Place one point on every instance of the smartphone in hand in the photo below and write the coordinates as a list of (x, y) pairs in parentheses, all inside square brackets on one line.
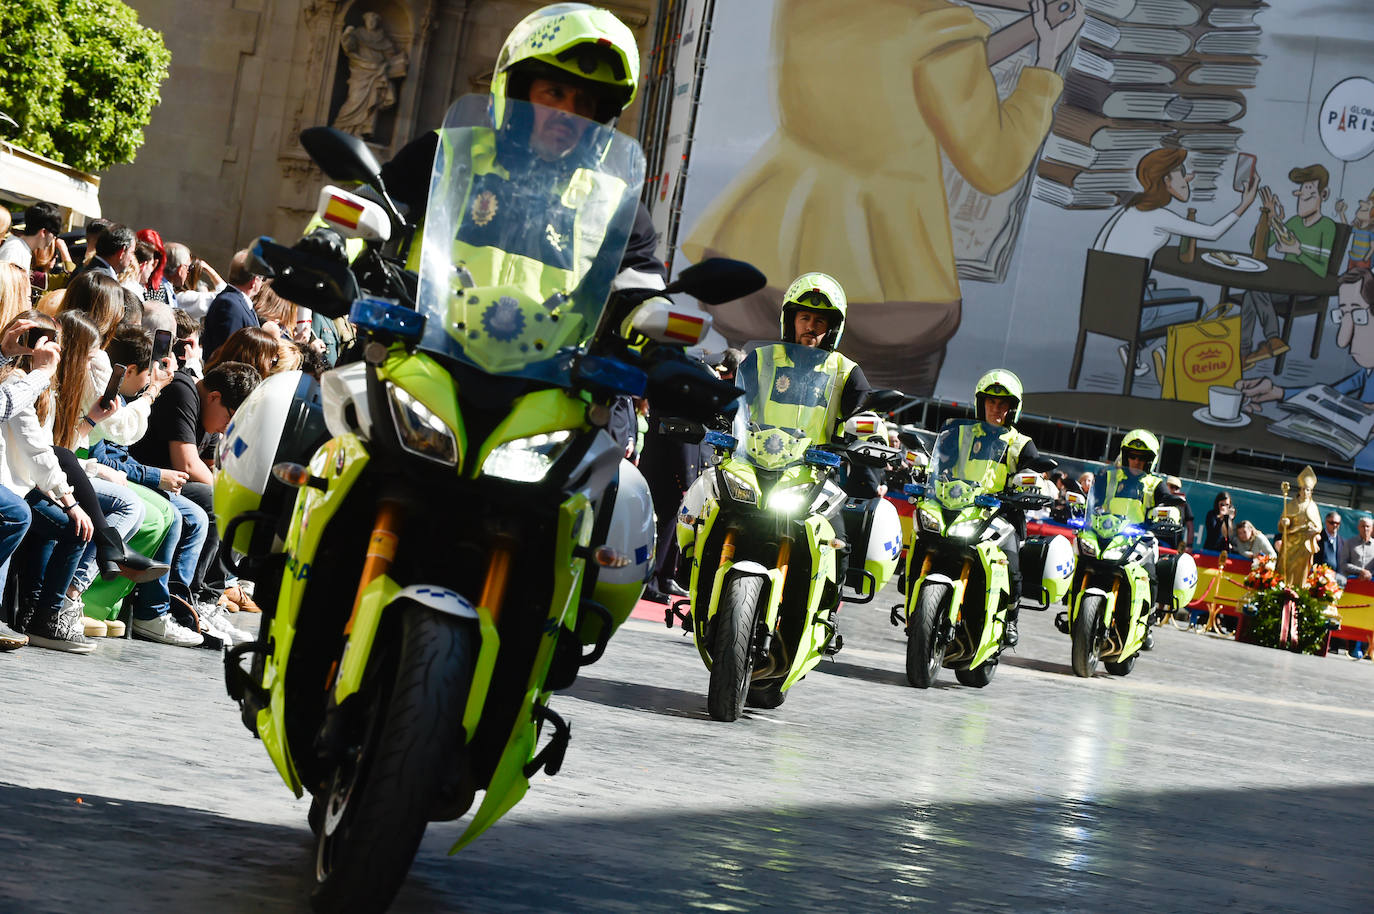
[(33, 336), (112, 389), (162, 344), (1245, 172)]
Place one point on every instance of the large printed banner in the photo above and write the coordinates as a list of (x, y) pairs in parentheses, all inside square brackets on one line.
[(1145, 208)]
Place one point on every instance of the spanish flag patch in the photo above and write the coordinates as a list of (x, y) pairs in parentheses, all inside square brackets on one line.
[(684, 327), (343, 212)]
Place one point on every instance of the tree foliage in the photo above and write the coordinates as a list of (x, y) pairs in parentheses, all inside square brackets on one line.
[(81, 78)]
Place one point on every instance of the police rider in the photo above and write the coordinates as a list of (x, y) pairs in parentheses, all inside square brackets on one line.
[(813, 315), (566, 57), (1131, 489), (997, 397)]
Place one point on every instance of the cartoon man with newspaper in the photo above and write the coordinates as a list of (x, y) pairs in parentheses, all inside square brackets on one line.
[(1339, 416)]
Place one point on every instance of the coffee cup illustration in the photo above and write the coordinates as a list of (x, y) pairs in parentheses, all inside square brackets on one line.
[(1223, 407)]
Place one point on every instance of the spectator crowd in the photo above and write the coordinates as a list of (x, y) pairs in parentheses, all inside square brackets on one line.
[(122, 360)]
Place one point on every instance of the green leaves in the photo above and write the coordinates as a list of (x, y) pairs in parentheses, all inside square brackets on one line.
[(81, 77)]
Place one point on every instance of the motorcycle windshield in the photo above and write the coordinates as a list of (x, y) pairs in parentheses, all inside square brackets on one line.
[(970, 450), (788, 391), (525, 230)]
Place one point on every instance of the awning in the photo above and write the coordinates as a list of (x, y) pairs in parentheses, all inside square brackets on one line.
[(27, 177)]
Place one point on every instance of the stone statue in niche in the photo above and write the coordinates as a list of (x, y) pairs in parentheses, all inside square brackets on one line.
[(374, 61)]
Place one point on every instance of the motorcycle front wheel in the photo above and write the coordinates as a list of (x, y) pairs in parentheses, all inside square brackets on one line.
[(732, 654), (923, 657), (1085, 635), (381, 795)]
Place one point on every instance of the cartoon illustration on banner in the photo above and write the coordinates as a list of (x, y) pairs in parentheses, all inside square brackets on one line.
[(1156, 213)]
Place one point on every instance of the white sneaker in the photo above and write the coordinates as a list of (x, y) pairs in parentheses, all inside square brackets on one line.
[(214, 619), (166, 630)]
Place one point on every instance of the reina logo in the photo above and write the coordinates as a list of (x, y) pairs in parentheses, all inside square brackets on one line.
[(1207, 361)]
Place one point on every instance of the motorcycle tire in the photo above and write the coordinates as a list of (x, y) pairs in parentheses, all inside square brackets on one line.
[(732, 654), (979, 677), (767, 696), (1121, 669), (1084, 632), (375, 815), (923, 657)]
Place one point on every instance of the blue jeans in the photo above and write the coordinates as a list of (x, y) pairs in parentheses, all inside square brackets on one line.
[(48, 556), (15, 518), (180, 549), (123, 511)]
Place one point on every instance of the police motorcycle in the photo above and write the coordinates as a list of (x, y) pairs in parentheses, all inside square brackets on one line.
[(465, 467), (1111, 602), (756, 530), (957, 585)]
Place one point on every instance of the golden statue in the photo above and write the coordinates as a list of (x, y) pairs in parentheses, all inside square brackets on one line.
[(1300, 527)]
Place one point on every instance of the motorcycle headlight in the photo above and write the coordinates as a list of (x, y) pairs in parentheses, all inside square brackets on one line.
[(788, 501), (740, 490), (965, 529), (420, 431), (1114, 553), (928, 518), (1087, 546), (526, 459)]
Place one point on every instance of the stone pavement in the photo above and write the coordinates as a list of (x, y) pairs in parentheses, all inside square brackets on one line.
[(1218, 776)]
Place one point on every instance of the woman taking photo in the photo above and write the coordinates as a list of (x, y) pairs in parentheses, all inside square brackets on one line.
[(1221, 525)]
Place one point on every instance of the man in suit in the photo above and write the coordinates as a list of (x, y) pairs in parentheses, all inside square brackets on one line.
[(232, 308), (114, 250), (1330, 544)]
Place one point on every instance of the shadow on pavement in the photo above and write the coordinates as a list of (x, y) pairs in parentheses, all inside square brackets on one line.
[(639, 697), (1242, 850), (882, 676)]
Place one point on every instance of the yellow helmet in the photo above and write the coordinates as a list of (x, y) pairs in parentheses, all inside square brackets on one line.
[(1142, 442), (815, 292), (573, 43), (999, 383)]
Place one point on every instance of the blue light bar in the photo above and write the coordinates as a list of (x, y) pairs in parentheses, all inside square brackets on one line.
[(382, 316), (817, 457), (721, 440), (987, 501), (611, 374), (916, 490)]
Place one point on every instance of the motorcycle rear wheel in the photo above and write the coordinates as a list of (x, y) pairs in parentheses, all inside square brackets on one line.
[(978, 677), (379, 802), (1085, 635), (732, 655), (923, 657)]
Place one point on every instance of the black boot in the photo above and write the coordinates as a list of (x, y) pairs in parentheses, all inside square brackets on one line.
[(114, 558), (1010, 634)]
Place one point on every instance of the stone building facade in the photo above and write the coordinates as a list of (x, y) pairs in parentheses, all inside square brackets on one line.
[(222, 164)]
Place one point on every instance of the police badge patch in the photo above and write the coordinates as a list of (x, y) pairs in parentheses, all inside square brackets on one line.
[(484, 208), (783, 382)]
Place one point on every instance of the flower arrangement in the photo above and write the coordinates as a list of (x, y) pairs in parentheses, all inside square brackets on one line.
[(1315, 602)]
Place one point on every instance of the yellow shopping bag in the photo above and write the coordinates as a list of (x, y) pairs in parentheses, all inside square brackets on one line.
[(1200, 354)]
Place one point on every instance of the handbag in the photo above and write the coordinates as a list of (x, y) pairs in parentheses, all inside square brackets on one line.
[(1201, 354)]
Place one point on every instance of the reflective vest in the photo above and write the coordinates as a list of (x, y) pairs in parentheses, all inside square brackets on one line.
[(1116, 491), (986, 459), (792, 387), (512, 233)]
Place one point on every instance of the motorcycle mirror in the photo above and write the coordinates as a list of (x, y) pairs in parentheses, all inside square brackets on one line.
[(342, 156), (1042, 464), (718, 280), (682, 430)]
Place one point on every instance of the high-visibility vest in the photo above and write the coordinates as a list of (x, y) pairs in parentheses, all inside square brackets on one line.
[(795, 388), (511, 234), (988, 454), (1116, 491)]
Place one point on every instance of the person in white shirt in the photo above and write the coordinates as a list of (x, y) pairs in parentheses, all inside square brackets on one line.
[(1252, 542), (187, 276), (42, 222)]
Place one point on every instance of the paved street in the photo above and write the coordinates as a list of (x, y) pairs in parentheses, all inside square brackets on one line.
[(1217, 776)]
